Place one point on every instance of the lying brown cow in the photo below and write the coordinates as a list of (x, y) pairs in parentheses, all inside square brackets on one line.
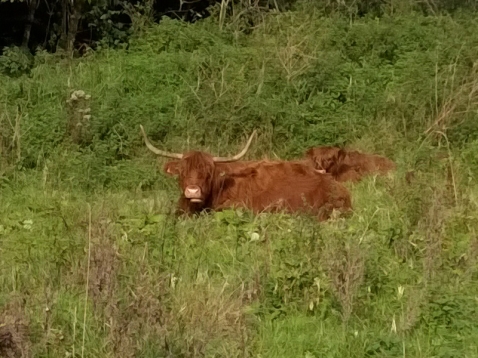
[(348, 165), (217, 183)]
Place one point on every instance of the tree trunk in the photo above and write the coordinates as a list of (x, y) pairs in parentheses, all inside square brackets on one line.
[(72, 12), (32, 6)]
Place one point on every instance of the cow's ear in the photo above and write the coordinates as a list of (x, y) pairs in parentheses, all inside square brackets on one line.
[(341, 154), (172, 168), (310, 153)]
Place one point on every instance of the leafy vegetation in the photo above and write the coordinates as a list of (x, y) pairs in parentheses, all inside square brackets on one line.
[(93, 263)]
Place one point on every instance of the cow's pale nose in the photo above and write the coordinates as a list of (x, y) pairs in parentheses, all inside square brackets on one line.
[(192, 192)]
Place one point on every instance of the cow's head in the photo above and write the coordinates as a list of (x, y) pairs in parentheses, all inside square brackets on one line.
[(326, 158), (196, 170)]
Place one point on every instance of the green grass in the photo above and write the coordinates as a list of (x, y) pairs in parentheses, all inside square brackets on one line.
[(94, 264)]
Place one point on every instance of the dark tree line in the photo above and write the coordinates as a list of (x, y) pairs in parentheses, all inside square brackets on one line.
[(71, 24), (78, 24)]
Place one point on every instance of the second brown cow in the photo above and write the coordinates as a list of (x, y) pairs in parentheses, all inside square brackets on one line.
[(348, 165), (217, 183)]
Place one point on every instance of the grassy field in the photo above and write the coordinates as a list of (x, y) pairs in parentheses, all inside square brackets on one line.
[(94, 264)]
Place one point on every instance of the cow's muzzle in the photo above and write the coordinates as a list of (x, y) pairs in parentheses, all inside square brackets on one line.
[(193, 193)]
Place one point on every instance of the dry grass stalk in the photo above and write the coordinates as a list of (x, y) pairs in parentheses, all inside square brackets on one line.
[(293, 56), (345, 267), (451, 181), (130, 327), (433, 224), (3, 144), (104, 264), (10, 138), (101, 285), (222, 13), (87, 282), (412, 310), (462, 100), (145, 316), (14, 332), (209, 316), (472, 255)]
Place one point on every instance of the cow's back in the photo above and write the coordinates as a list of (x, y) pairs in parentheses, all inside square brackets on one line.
[(288, 186), (366, 163), (355, 165)]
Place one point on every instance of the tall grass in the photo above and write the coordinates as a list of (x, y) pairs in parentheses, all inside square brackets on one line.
[(93, 263)]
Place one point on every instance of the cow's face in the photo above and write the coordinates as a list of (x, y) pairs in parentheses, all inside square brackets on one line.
[(195, 172), (325, 158), (195, 169)]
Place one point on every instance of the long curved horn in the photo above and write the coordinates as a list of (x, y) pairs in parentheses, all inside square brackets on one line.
[(156, 150), (237, 156)]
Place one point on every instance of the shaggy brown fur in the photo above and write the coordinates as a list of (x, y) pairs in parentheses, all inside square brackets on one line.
[(348, 165), (258, 185)]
